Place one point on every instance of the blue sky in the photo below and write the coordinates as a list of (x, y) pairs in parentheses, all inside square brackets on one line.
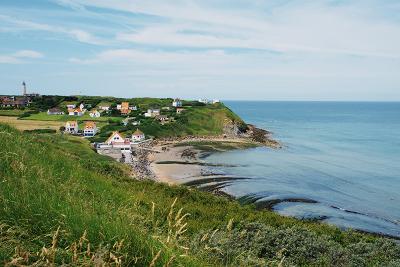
[(227, 49)]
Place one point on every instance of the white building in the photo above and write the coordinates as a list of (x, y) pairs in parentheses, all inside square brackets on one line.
[(90, 129), (104, 106), (177, 102), (116, 140), (205, 101), (138, 136), (69, 106), (152, 113), (75, 112), (215, 101), (55, 111), (71, 127), (94, 114)]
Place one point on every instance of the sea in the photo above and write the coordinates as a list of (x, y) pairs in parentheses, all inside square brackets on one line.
[(340, 162)]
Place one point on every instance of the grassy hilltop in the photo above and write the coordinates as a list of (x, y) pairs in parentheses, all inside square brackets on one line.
[(60, 202)]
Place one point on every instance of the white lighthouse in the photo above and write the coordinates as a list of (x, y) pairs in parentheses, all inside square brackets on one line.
[(24, 88)]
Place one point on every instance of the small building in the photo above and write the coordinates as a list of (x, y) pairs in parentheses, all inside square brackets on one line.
[(136, 123), (82, 106), (75, 112), (215, 101), (138, 136), (71, 127), (162, 118), (124, 108), (70, 105), (179, 110), (94, 114), (104, 106), (152, 113), (90, 129), (132, 107), (204, 101), (55, 111), (177, 102), (116, 140)]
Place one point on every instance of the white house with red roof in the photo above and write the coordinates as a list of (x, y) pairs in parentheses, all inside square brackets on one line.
[(90, 129), (117, 140)]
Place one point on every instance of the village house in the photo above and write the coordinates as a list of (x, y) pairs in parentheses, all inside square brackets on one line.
[(75, 112), (116, 140), (90, 129), (179, 110), (133, 107), (71, 106), (177, 102), (71, 127), (125, 108), (162, 118), (104, 106), (94, 114), (82, 106), (55, 111), (204, 101), (138, 136), (152, 113), (215, 101)]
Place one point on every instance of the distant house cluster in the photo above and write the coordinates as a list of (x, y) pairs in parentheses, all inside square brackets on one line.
[(15, 101)]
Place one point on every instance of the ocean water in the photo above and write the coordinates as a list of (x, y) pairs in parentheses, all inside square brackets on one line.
[(344, 156)]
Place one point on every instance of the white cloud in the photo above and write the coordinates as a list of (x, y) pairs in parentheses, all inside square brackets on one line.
[(19, 56), (78, 34), (352, 28), (28, 54)]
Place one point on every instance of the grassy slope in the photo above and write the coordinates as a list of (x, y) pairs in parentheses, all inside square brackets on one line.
[(51, 181)]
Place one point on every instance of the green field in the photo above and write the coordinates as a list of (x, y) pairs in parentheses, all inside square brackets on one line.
[(60, 202), (12, 112), (42, 116)]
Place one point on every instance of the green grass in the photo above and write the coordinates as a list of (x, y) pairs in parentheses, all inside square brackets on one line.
[(50, 182), (12, 112), (42, 116)]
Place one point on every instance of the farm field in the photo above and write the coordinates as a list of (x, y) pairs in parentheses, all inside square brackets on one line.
[(30, 125), (42, 116), (11, 112)]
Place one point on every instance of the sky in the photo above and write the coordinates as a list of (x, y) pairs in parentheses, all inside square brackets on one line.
[(223, 49)]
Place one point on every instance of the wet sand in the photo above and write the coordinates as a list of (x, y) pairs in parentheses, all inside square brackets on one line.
[(174, 173)]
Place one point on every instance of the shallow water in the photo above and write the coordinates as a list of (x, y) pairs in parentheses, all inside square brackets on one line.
[(344, 155)]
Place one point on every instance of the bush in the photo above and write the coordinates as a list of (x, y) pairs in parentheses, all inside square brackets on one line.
[(40, 131)]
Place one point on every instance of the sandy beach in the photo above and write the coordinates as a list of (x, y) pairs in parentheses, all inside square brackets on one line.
[(176, 168), (173, 173)]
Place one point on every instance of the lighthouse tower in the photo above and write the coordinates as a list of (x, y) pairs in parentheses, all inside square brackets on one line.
[(24, 87)]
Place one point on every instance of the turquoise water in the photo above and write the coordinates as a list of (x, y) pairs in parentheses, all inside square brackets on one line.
[(343, 155)]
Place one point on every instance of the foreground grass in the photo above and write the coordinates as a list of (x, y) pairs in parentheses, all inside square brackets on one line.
[(60, 202)]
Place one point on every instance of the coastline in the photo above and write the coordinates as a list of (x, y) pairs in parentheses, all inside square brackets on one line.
[(180, 161)]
